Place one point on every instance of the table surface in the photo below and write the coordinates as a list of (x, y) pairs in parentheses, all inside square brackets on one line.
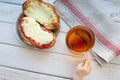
[(21, 62)]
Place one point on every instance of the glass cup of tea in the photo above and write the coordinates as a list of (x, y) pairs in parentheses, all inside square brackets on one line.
[(80, 39)]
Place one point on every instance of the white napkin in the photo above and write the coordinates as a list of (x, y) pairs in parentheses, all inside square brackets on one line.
[(102, 17)]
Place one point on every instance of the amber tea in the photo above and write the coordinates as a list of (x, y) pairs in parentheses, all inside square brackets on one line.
[(80, 39)]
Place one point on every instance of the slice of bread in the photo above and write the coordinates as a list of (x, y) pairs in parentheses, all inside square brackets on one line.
[(32, 33), (42, 12)]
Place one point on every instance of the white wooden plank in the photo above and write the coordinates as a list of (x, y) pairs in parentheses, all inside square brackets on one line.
[(38, 61), (14, 74), (9, 35), (22, 1), (8, 31), (14, 1), (54, 64), (9, 12)]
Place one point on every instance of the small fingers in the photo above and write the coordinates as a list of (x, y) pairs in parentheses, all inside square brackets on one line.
[(83, 62), (87, 56), (87, 63), (88, 66), (86, 60)]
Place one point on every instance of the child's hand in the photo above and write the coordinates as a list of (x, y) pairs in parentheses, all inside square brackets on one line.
[(83, 69)]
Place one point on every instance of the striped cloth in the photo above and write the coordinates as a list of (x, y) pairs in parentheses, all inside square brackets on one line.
[(103, 20)]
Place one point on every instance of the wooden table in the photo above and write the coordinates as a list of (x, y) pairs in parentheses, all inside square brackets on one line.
[(20, 62)]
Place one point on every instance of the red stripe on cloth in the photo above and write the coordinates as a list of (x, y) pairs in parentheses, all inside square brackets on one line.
[(82, 18)]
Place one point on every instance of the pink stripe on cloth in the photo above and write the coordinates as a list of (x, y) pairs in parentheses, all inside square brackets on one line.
[(82, 18)]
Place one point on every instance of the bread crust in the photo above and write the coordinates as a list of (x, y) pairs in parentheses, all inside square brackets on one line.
[(32, 42), (19, 29), (54, 24)]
